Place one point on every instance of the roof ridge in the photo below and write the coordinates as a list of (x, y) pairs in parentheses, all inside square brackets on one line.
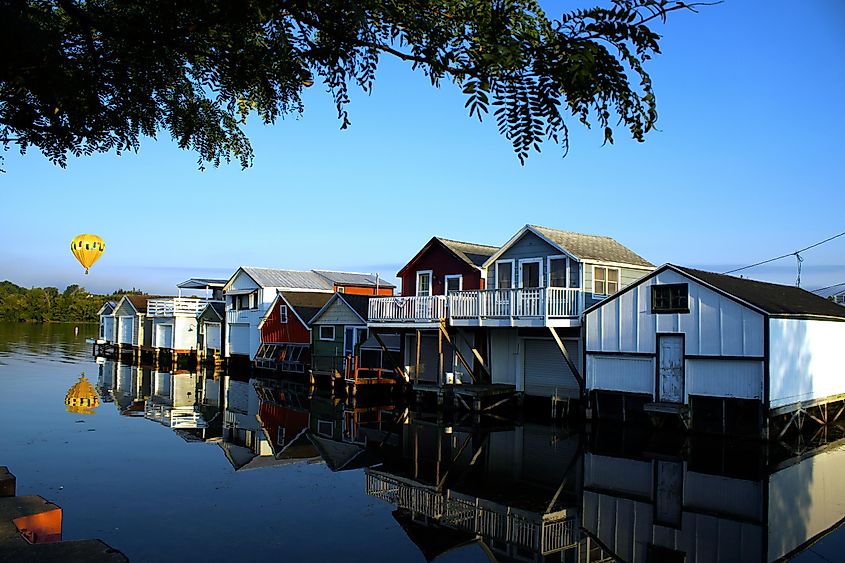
[(465, 242), (571, 232)]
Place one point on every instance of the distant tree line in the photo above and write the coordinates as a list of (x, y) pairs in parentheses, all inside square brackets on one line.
[(47, 304)]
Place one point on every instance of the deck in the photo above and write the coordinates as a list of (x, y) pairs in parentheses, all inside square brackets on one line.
[(476, 397)]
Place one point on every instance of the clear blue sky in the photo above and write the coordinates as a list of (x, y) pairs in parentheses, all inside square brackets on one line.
[(749, 163)]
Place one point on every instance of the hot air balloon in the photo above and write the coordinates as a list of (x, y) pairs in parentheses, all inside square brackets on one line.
[(87, 249)]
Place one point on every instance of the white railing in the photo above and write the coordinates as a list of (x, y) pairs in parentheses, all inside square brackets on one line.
[(410, 309), (174, 306), (542, 533), (529, 302), (250, 316)]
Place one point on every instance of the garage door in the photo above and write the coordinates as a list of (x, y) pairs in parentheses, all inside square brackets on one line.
[(125, 330), (212, 336), (239, 339), (164, 336), (546, 370)]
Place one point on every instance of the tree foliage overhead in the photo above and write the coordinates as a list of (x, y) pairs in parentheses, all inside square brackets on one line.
[(91, 76)]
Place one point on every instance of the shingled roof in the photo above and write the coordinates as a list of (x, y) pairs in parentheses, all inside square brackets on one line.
[(592, 247), (775, 299), (470, 252), (305, 303)]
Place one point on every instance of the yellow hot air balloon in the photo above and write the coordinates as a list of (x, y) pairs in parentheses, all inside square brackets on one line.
[(87, 249)]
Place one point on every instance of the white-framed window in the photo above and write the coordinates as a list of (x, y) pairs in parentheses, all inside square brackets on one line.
[(605, 280), (341, 289), (283, 314), (531, 272), (424, 281), (453, 282), (558, 267), (326, 332), (504, 274)]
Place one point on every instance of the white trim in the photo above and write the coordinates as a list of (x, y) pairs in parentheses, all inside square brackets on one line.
[(430, 283), (539, 262), (549, 268), (607, 269), (446, 279), (320, 333), (518, 236), (513, 272)]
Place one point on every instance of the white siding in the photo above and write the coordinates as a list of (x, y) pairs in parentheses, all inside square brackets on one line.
[(724, 378), (715, 325), (212, 335), (807, 360), (621, 373), (239, 336)]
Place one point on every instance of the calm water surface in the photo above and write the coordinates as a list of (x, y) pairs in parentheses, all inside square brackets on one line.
[(178, 466)]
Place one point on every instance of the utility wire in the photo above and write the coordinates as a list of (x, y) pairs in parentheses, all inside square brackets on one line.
[(796, 253), (829, 287)]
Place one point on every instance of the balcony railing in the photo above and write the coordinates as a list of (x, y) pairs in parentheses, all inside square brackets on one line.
[(250, 316), (407, 309), (517, 303), (177, 306)]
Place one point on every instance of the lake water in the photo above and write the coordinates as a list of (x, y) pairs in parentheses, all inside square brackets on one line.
[(209, 467)]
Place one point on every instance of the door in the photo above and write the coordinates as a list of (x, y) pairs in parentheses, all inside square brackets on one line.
[(125, 324), (670, 368), (424, 292), (530, 298), (545, 370), (164, 336), (212, 336)]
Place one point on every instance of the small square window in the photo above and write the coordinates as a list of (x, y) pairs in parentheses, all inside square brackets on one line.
[(326, 332), (670, 298)]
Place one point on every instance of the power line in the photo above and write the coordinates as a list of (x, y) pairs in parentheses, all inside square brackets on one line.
[(796, 253), (829, 287)]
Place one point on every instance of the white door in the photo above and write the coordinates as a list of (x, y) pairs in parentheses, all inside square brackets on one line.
[(239, 339), (164, 336), (670, 384), (546, 370), (424, 292), (125, 324)]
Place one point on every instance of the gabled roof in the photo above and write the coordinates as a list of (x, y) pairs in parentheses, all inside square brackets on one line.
[(354, 278), (359, 304), (304, 304), (293, 279), (775, 299), (219, 309), (581, 246), (107, 308), (138, 302), (771, 299), (471, 253)]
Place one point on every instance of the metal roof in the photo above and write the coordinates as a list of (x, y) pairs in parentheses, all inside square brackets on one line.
[(293, 279), (202, 283), (353, 278)]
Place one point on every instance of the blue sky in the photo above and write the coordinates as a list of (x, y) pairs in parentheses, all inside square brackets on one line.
[(748, 163)]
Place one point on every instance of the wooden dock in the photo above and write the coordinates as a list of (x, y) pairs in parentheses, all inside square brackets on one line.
[(476, 397)]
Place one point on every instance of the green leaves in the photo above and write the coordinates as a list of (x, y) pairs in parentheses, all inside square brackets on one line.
[(96, 76)]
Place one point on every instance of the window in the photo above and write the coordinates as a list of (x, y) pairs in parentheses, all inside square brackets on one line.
[(454, 283), (574, 274), (253, 300), (529, 273), (605, 280), (670, 298), (341, 289), (504, 274), (326, 332), (424, 283), (283, 314), (557, 272)]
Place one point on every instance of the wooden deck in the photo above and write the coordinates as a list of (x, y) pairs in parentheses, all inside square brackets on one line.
[(476, 397)]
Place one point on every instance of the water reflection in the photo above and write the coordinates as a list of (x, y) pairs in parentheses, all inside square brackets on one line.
[(516, 490)]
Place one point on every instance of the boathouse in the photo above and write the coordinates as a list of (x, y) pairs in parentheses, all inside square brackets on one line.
[(285, 332), (250, 292), (133, 329), (107, 335), (722, 353), (342, 349), (420, 313), (211, 329)]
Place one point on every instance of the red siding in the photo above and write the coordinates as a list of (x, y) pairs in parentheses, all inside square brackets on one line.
[(361, 290), (442, 263), (292, 331)]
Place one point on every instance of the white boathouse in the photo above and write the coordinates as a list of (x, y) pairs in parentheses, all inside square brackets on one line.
[(723, 353)]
